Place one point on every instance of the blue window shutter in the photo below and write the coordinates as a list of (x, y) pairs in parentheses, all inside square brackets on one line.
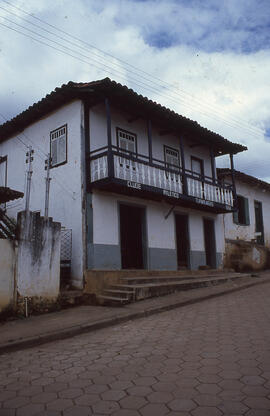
[(246, 211), (235, 217)]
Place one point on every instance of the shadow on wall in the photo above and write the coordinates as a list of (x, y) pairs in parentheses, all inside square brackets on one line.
[(243, 256)]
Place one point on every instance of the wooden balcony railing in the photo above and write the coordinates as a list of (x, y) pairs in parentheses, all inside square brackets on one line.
[(137, 169)]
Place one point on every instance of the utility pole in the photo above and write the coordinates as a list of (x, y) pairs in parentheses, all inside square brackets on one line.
[(47, 180), (29, 160)]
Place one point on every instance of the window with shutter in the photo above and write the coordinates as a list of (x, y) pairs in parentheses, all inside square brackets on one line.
[(171, 157), (197, 166), (58, 146), (172, 160), (3, 170), (241, 216), (3, 176), (127, 143)]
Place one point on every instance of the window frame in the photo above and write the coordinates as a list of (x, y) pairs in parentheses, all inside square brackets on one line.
[(246, 213), (118, 129), (66, 159), (3, 159), (165, 147), (201, 161), (130, 163)]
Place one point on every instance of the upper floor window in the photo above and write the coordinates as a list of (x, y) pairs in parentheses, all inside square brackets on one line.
[(171, 157), (58, 146), (197, 166), (241, 216), (3, 176), (126, 140), (127, 143), (3, 170)]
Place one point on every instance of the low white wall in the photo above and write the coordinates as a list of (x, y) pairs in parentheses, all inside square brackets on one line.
[(38, 264), (7, 274)]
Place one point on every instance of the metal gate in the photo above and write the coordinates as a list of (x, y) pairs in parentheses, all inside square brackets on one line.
[(65, 256)]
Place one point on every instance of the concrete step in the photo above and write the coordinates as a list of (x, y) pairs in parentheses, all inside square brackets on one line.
[(165, 279), (120, 291), (112, 300), (143, 287)]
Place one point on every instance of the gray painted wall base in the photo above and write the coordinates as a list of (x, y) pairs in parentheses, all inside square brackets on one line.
[(162, 259), (197, 258), (108, 257), (104, 256), (219, 260)]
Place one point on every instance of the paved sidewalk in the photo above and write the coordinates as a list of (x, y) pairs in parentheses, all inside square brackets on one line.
[(37, 330)]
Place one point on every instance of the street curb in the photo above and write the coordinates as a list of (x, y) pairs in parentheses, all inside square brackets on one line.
[(105, 323)]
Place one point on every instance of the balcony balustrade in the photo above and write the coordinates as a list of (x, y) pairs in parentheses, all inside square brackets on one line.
[(136, 169)]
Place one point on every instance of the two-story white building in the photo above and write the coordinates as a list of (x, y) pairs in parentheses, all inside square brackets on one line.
[(251, 221), (135, 181)]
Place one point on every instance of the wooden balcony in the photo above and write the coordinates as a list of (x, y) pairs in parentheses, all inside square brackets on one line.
[(128, 173)]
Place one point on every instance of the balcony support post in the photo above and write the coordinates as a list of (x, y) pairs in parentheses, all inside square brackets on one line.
[(109, 139), (87, 177), (233, 181), (213, 165), (183, 165), (149, 134)]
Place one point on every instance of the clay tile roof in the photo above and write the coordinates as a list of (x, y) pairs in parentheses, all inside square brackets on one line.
[(243, 177), (7, 194), (120, 95)]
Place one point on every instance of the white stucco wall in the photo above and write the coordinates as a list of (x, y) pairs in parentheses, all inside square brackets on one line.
[(65, 187), (38, 262), (7, 273), (246, 232), (160, 231)]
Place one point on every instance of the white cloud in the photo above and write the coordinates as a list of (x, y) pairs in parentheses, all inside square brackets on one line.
[(226, 90)]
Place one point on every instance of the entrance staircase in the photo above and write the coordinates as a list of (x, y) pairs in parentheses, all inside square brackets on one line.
[(134, 288)]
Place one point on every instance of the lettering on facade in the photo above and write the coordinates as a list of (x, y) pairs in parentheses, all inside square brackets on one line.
[(171, 193), (203, 202), (134, 185)]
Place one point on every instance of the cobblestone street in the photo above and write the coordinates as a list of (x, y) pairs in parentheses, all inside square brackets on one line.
[(211, 358)]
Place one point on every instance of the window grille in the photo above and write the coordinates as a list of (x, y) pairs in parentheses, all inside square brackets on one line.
[(172, 160), (171, 157), (58, 146), (127, 144)]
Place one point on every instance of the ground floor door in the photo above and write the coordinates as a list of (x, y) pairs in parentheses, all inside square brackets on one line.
[(259, 222), (132, 236), (182, 241), (210, 242)]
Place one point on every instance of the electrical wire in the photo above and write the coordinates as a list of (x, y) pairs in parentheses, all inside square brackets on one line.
[(255, 129), (169, 97), (169, 85)]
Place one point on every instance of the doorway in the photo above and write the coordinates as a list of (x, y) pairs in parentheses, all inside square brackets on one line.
[(132, 236), (209, 242), (259, 222), (182, 241)]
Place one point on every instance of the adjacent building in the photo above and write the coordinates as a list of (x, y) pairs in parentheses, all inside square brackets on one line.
[(134, 181), (247, 229), (251, 220)]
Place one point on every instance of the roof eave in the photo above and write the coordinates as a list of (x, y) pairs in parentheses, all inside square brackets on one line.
[(113, 90)]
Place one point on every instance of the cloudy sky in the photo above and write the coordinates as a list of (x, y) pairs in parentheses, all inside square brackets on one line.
[(207, 59)]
